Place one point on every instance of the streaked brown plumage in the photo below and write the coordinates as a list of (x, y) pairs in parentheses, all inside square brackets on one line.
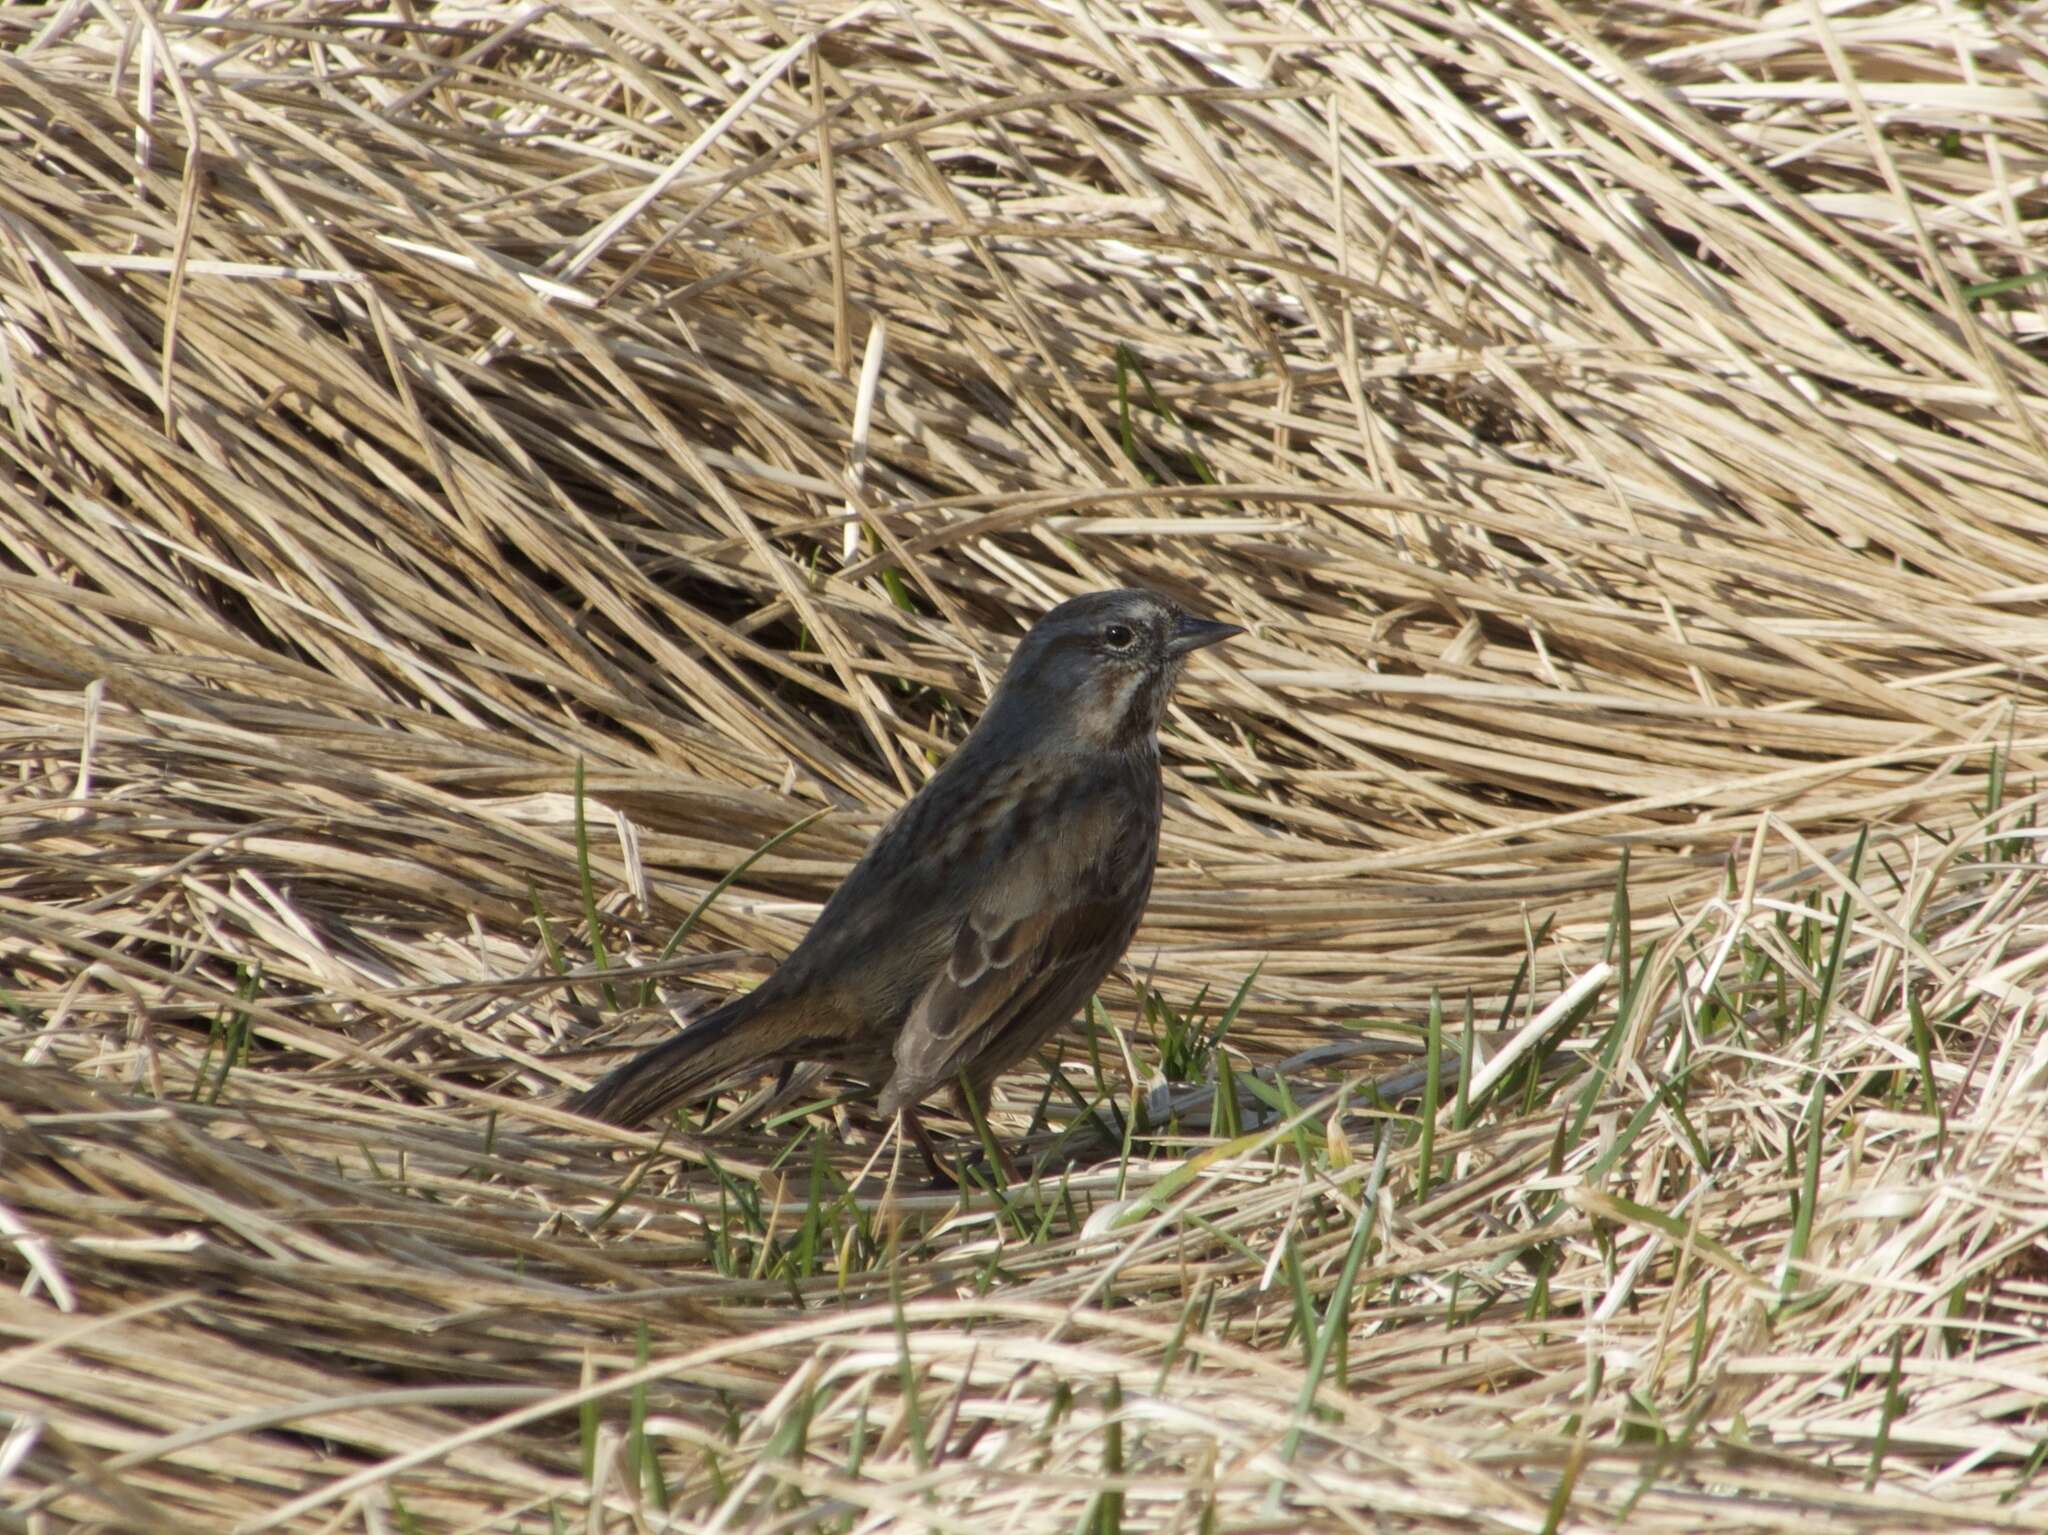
[(988, 908)]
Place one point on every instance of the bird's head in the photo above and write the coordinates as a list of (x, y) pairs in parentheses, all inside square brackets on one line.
[(1095, 672)]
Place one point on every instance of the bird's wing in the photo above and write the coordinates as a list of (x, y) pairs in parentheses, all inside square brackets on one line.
[(1034, 939)]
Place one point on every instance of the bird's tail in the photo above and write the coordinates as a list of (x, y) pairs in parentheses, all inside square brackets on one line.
[(674, 1071)]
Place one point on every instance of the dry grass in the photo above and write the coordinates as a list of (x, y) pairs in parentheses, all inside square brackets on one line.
[(1625, 428)]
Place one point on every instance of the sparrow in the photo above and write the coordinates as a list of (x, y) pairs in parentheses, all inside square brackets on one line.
[(990, 907)]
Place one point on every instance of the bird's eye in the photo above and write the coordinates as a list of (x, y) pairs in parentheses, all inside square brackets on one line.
[(1118, 636)]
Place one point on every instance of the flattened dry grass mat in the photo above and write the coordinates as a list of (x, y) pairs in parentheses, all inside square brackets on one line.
[(500, 502)]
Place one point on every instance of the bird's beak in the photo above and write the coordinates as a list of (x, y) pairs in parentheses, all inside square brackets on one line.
[(1192, 633)]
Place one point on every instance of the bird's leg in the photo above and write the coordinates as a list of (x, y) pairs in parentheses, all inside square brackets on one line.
[(923, 1137), (1004, 1165), (969, 1102), (970, 1105)]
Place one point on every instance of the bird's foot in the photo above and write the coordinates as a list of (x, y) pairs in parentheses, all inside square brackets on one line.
[(961, 1175)]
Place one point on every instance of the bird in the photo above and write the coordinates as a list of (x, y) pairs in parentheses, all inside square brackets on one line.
[(989, 907)]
